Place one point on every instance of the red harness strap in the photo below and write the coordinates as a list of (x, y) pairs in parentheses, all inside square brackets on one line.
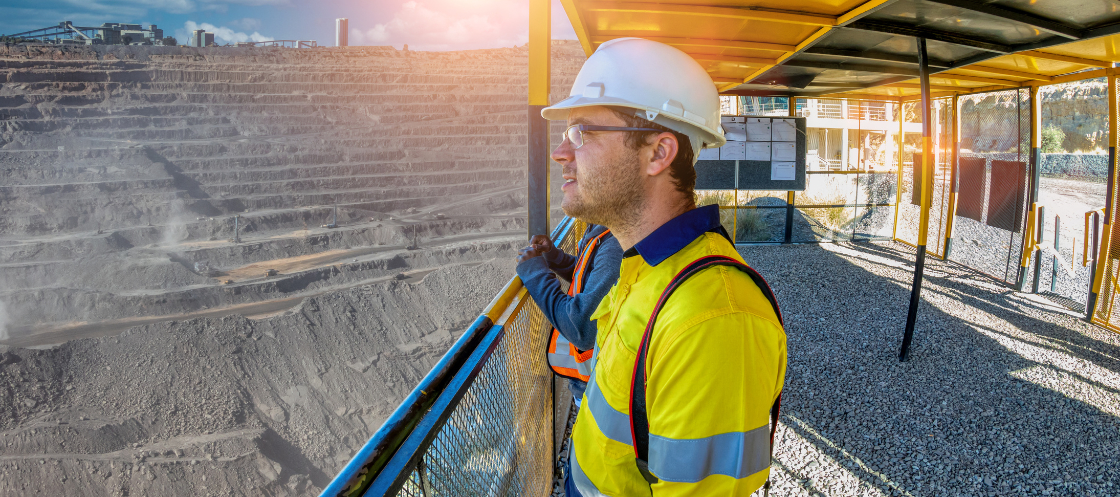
[(639, 419)]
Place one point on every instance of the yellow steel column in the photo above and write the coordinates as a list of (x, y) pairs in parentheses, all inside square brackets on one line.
[(927, 196), (1104, 255), (1032, 198), (899, 110), (790, 196), (953, 179), (540, 48)]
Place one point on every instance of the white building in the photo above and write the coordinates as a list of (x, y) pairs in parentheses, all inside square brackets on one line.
[(340, 28)]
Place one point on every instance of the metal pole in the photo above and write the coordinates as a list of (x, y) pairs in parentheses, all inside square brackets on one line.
[(859, 165), (1040, 229), (954, 178), (1035, 171), (540, 48), (1057, 250), (900, 110), (1091, 301), (1106, 233), (790, 196), (927, 194)]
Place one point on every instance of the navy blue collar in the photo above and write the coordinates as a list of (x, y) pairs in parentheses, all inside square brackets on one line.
[(676, 234)]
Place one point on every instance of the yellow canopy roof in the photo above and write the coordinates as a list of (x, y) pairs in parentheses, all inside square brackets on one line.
[(868, 47)]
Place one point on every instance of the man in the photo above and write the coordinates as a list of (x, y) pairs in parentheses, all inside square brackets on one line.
[(639, 112), (591, 273)]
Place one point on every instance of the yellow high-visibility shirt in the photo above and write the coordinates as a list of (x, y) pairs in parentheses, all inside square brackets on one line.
[(716, 364)]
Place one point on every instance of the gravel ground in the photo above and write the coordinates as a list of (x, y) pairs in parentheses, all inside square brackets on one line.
[(1004, 394)]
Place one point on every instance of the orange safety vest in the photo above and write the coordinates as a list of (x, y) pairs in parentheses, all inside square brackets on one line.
[(563, 357)]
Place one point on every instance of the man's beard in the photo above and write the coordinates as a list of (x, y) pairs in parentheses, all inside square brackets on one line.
[(612, 198)]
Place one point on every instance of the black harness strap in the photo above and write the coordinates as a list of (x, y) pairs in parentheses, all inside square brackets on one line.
[(639, 420)]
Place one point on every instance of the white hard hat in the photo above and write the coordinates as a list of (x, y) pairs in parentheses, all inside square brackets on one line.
[(663, 84)]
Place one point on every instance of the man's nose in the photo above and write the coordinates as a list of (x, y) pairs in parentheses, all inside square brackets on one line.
[(564, 153)]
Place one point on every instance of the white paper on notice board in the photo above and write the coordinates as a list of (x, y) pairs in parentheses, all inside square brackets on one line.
[(784, 130), (783, 151), (735, 131), (732, 151), (757, 151), (758, 129), (783, 171), (709, 154)]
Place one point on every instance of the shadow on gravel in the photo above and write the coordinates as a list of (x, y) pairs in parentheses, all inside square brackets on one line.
[(999, 397)]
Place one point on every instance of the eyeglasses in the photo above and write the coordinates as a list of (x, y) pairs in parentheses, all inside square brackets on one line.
[(574, 133)]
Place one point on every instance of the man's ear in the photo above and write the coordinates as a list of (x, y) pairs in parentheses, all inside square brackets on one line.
[(665, 149)]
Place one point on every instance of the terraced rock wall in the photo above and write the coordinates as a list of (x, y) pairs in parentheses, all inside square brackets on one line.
[(131, 172)]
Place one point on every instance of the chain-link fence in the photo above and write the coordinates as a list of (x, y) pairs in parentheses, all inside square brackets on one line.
[(1109, 290), (1072, 182), (993, 179), (850, 174), (910, 175)]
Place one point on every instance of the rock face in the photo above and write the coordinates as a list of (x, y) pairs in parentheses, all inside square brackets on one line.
[(228, 405), (360, 206), (1079, 109), (136, 178)]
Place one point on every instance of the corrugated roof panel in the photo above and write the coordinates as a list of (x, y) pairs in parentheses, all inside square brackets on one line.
[(808, 47), (957, 20)]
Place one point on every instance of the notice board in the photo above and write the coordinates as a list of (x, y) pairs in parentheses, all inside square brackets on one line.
[(763, 153)]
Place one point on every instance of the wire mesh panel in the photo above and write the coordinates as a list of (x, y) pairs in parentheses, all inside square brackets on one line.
[(909, 205), (497, 439), (760, 217), (851, 177), (1072, 182), (1109, 290), (993, 182)]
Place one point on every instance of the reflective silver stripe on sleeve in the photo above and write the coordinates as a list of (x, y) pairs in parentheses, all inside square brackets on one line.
[(612, 423), (583, 483), (736, 454), (562, 361)]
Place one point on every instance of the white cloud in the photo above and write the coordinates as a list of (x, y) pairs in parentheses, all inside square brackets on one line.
[(248, 24), (222, 34), (450, 25)]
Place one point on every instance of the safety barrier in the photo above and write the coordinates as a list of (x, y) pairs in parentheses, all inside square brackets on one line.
[(481, 422)]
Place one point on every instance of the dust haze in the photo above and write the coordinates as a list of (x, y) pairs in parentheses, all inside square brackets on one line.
[(3, 321), (181, 310)]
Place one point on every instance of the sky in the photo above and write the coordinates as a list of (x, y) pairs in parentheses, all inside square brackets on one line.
[(421, 24)]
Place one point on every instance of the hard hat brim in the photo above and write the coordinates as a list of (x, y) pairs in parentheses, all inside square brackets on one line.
[(560, 110)]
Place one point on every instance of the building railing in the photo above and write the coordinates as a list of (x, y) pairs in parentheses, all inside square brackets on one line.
[(481, 422)]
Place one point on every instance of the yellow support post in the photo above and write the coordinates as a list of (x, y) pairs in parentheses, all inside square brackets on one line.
[(898, 184), (790, 196), (927, 196), (540, 53), (1103, 253), (953, 179), (1035, 166)]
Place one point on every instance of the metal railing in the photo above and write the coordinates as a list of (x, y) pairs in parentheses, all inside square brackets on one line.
[(481, 422)]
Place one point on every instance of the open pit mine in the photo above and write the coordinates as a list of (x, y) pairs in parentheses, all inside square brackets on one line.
[(222, 268)]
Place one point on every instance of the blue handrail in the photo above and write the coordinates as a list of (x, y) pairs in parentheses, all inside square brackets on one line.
[(376, 454)]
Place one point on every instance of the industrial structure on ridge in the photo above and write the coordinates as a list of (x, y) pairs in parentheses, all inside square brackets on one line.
[(117, 33), (110, 33)]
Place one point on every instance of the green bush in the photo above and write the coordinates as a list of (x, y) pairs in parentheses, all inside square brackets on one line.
[(1052, 139)]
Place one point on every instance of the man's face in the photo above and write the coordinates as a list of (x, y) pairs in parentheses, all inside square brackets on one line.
[(603, 178)]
